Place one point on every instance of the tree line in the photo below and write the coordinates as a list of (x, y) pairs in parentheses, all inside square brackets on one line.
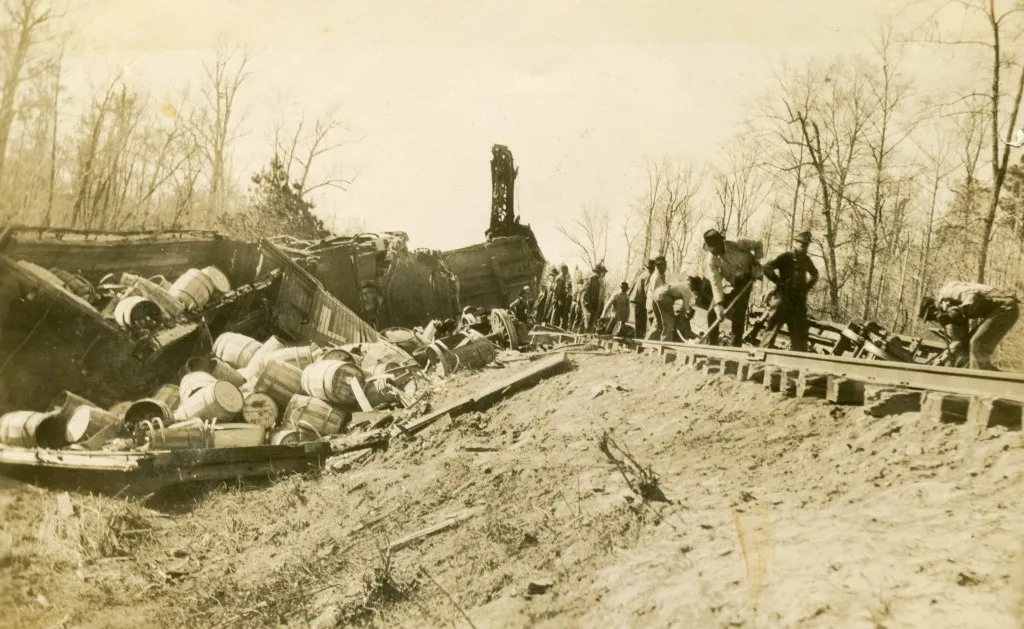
[(125, 160), (904, 189)]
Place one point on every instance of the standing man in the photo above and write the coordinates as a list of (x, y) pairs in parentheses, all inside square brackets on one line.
[(618, 306), (639, 300), (665, 297), (540, 306), (561, 299), (960, 302), (794, 275), (591, 298), (738, 263), (654, 326)]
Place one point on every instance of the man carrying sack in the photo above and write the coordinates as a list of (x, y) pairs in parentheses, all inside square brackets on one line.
[(794, 275), (960, 302), (738, 263)]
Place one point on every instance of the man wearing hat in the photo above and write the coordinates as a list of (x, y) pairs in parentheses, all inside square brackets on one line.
[(960, 302), (639, 299), (561, 299), (654, 326), (738, 263), (591, 298), (794, 275)]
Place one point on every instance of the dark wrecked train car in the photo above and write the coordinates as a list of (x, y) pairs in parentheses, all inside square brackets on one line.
[(59, 300)]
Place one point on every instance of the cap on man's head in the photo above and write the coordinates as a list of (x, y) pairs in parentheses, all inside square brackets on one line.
[(803, 237), (554, 271), (565, 267), (525, 289), (660, 260), (600, 268), (712, 236), (624, 285)]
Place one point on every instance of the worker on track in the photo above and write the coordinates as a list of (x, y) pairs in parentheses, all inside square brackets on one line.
[(794, 275), (654, 326), (639, 299), (544, 298), (562, 299), (617, 308), (665, 298), (591, 298), (958, 304), (738, 263)]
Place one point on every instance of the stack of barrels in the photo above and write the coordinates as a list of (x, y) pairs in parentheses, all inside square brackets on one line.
[(245, 393), (144, 303)]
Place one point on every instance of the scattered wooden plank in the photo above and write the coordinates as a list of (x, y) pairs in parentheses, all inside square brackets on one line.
[(448, 523)]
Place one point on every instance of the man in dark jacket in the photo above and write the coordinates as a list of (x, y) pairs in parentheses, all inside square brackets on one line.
[(520, 308), (794, 275), (561, 299), (591, 305)]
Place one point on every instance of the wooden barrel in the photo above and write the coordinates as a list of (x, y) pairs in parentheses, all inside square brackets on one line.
[(169, 394), (147, 409), (193, 288), (255, 366), (137, 312), (285, 438), (187, 435), (260, 409), (235, 435), (327, 380), (65, 403), (301, 357), (218, 280), (235, 349), (155, 293), (193, 382), (439, 354), (403, 338), (215, 367), (29, 429), (336, 353), (220, 400), (280, 381), (474, 351), (87, 422), (161, 281), (309, 411)]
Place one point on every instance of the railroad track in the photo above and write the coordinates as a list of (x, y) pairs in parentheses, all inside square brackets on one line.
[(979, 399)]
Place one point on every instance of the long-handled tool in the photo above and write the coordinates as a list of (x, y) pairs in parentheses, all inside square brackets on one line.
[(707, 335)]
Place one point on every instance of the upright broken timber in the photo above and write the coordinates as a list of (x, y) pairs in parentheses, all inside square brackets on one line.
[(484, 398)]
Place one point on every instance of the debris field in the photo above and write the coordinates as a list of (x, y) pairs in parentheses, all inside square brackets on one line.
[(625, 492)]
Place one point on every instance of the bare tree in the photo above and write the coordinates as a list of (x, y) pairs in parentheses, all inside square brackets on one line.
[(216, 126), (647, 205), (997, 30), (740, 187), (306, 146), (589, 233), (675, 213), (26, 18)]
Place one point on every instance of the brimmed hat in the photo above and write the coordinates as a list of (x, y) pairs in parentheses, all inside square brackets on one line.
[(652, 262), (804, 237), (660, 260), (624, 285), (712, 236), (600, 268)]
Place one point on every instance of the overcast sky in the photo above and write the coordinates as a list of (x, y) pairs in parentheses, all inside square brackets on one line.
[(579, 91)]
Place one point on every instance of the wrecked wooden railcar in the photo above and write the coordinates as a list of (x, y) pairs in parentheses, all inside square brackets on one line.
[(379, 278), (48, 325), (491, 274)]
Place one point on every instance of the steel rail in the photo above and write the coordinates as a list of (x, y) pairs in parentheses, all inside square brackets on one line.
[(996, 384)]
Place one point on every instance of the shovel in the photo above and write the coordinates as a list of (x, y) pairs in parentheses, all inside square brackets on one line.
[(718, 322)]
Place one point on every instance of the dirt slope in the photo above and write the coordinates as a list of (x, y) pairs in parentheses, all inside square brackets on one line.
[(784, 513)]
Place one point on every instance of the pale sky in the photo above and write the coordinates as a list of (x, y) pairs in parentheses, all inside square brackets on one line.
[(579, 91)]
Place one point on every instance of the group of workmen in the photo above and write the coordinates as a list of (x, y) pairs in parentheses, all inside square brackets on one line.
[(662, 310)]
